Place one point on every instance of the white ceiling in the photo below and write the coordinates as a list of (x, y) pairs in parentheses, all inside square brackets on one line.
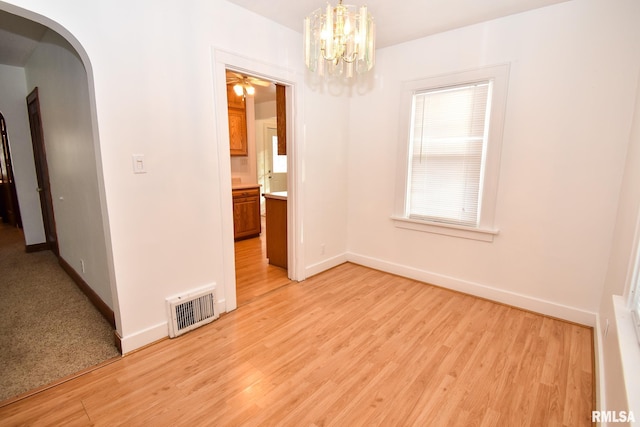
[(396, 21), (18, 38), (400, 21)]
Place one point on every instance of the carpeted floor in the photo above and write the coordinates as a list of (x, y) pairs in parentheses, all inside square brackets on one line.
[(48, 327)]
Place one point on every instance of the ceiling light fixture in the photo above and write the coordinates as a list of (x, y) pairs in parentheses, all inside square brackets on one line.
[(340, 41), (244, 88)]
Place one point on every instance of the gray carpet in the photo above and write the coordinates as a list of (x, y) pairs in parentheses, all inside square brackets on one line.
[(48, 327)]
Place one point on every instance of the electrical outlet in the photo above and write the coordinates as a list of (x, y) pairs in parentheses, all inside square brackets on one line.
[(322, 249), (82, 265)]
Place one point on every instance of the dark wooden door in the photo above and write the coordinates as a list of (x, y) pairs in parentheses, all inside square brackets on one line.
[(9, 210), (281, 118), (42, 170)]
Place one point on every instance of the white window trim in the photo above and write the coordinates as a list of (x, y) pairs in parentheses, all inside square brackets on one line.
[(629, 351), (486, 230), (633, 285), (485, 235), (635, 318)]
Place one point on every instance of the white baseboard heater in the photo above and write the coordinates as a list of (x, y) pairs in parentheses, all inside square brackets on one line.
[(192, 310)]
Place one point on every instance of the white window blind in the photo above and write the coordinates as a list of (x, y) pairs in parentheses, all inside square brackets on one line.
[(449, 129)]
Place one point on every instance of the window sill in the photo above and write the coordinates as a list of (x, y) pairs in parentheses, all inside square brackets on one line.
[(482, 234)]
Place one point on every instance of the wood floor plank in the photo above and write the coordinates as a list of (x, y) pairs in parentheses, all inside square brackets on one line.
[(351, 346), (254, 275)]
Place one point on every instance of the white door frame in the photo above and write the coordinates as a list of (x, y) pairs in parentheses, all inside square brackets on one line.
[(223, 60)]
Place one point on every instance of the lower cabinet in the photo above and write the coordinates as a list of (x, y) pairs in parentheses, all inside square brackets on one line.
[(276, 229), (246, 213)]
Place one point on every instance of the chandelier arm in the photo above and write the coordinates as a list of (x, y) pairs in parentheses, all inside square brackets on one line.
[(331, 58), (351, 59), (335, 57)]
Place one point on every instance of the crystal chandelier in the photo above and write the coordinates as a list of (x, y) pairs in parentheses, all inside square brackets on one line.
[(340, 41)]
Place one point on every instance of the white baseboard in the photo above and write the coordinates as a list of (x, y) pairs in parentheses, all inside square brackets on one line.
[(155, 333), (526, 302), (221, 306), (147, 336), (314, 269)]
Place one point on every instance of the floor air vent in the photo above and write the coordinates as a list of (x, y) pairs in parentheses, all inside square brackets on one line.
[(190, 311)]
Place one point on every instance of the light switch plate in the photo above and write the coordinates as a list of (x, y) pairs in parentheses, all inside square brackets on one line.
[(139, 165)]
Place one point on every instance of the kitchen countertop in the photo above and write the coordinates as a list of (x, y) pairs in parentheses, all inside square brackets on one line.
[(278, 195), (244, 186)]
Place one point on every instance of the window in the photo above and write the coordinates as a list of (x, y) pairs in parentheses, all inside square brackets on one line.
[(447, 143), (279, 161), (449, 172)]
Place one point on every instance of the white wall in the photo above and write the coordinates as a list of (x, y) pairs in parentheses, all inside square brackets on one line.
[(260, 128), (13, 104), (157, 94), (265, 116), (55, 69), (326, 186), (265, 110), (574, 69)]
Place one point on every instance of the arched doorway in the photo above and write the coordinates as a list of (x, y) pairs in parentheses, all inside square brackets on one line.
[(60, 69)]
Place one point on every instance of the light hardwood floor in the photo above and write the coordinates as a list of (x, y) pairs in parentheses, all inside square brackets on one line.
[(254, 275), (351, 346)]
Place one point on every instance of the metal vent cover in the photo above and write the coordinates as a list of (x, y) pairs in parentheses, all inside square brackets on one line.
[(192, 310)]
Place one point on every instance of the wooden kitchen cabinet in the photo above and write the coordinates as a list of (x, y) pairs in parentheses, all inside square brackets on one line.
[(233, 99), (237, 123), (276, 207), (246, 212)]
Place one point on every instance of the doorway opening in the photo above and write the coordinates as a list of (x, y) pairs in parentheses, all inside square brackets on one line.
[(42, 172), (9, 209), (259, 170), (272, 167), (46, 252)]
